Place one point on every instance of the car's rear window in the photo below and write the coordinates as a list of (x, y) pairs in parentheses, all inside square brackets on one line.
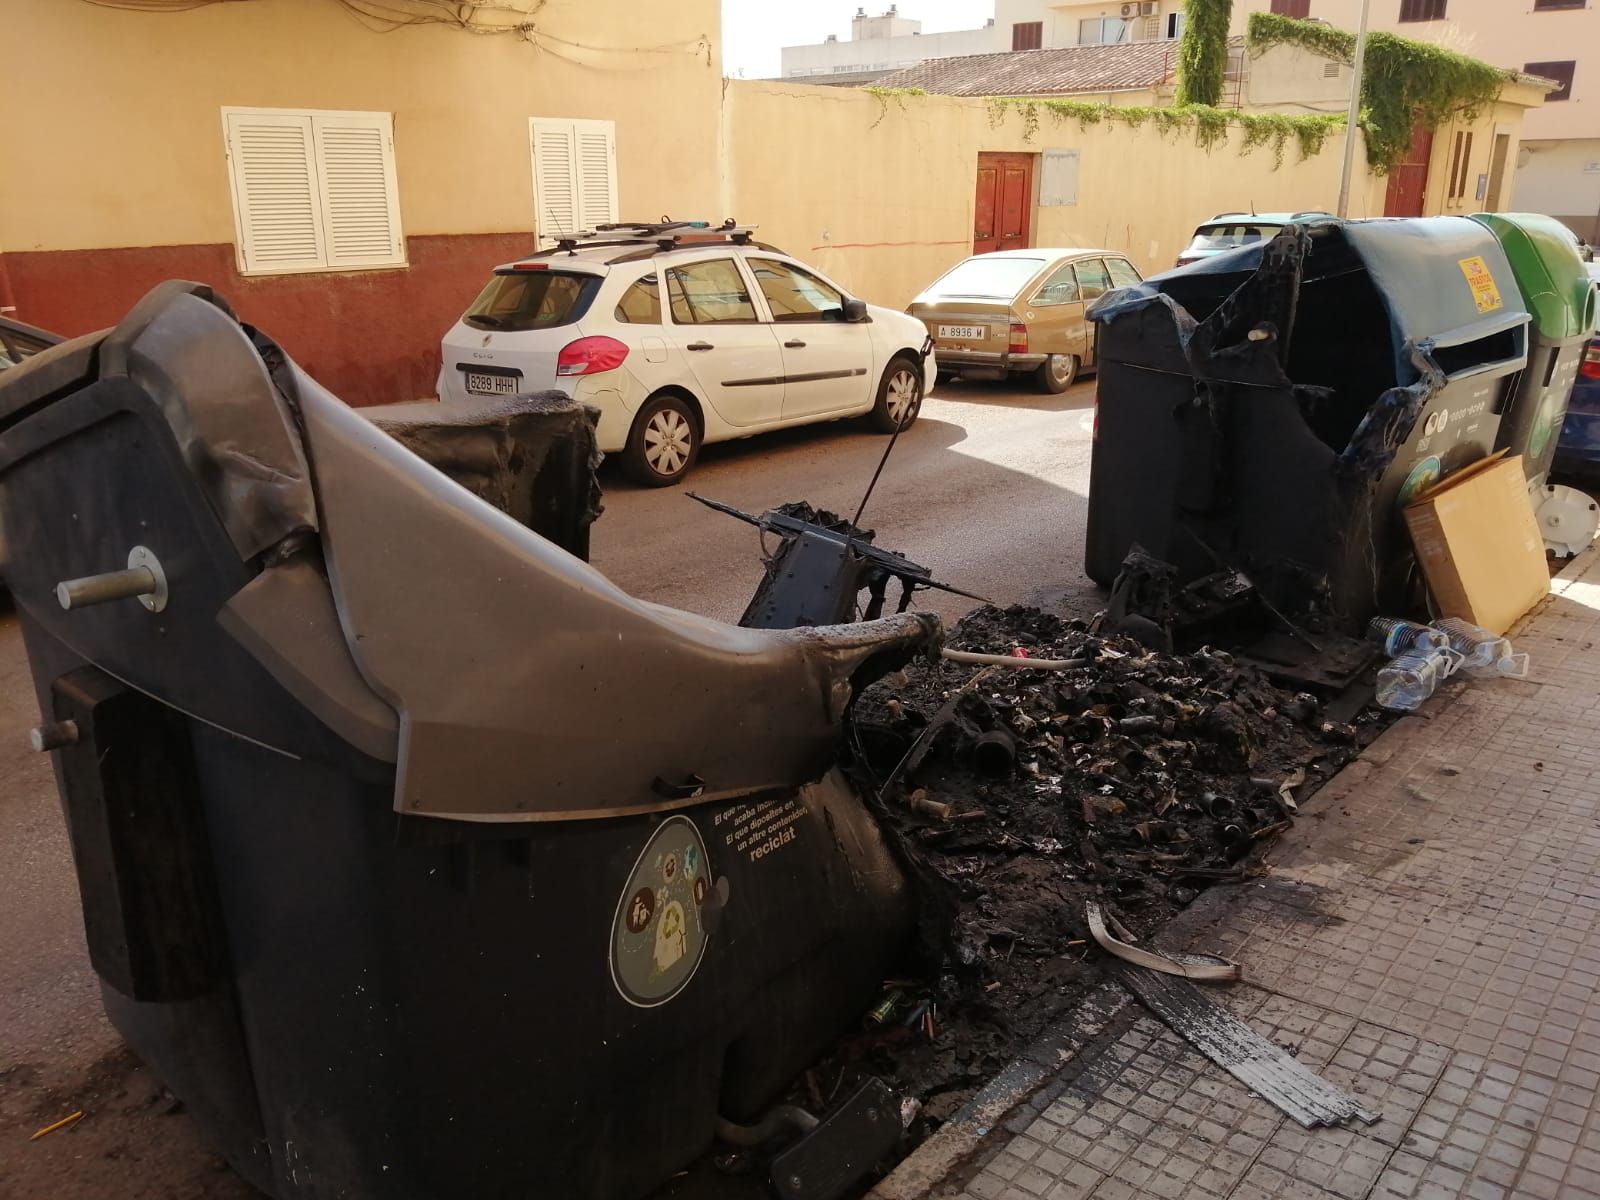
[(988, 278), (522, 300), (641, 303), (1230, 236)]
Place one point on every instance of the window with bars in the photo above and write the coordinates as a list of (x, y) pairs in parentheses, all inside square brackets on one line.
[(1300, 9), (1422, 10), (1027, 35), (574, 175), (312, 190), (1561, 72), (1553, 5)]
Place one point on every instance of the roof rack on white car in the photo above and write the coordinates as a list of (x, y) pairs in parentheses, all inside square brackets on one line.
[(665, 233)]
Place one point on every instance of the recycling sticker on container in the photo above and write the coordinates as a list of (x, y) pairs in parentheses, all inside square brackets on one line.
[(1485, 292), (658, 935)]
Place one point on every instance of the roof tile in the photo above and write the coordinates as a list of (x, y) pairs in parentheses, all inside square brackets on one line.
[(1071, 70)]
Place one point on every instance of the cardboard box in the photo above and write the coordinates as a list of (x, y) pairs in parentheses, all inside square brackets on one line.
[(1479, 545)]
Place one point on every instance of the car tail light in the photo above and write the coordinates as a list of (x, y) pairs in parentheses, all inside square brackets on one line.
[(590, 356), (1019, 339), (1591, 362), (530, 266)]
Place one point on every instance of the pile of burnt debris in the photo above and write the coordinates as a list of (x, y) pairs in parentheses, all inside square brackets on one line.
[(1039, 764), (1087, 767)]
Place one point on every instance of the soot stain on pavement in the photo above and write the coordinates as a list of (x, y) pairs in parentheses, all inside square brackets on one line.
[(1137, 779)]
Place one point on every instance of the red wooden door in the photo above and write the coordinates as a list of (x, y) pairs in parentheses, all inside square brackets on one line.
[(1408, 182), (1004, 207)]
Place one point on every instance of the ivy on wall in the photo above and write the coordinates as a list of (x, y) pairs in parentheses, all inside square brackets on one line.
[(885, 94), (1209, 126), (1404, 82), (1203, 51)]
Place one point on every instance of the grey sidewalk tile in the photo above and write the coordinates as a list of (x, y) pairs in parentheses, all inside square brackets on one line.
[(1392, 1073), (1273, 1178)]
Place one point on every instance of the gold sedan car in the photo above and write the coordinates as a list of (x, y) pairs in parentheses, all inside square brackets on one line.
[(1020, 312)]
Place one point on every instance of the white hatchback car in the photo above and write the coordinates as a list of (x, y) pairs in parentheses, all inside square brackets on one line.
[(682, 335)]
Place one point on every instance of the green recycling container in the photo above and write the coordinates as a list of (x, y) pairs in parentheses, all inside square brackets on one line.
[(1559, 293)]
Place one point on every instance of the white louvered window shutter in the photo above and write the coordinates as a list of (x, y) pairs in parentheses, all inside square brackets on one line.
[(574, 175), (313, 190), (276, 202), (360, 202), (596, 143)]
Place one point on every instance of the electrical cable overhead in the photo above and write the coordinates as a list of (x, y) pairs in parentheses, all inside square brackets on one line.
[(160, 6), (489, 17), (486, 17), (386, 16)]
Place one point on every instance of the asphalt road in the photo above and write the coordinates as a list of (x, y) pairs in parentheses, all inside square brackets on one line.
[(988, 489)]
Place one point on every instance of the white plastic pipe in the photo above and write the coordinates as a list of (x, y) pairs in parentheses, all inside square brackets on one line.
[(1016, 664)]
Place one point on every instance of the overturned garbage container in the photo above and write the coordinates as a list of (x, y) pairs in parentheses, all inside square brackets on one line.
[(532, 456), (1557, 290), (415, 857), (1269, 410)]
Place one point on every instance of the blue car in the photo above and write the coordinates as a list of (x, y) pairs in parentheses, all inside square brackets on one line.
[(1577, 456)]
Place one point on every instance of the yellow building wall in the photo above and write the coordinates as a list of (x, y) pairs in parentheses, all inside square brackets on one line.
[(880, 194), (1290, 80), (118, 139), (1500, 120)]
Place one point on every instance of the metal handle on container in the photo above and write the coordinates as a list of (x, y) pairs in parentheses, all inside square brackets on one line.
[(53, 735), (143, 580)]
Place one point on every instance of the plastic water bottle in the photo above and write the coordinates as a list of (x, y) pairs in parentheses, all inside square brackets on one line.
[(1411, 678), (1483, 653), (1397, 636)]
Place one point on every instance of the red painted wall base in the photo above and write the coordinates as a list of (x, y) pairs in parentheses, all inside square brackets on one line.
[(370, 337)]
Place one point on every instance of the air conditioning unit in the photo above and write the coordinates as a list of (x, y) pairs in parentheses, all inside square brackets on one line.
[(1150, 8), (1130, 10)]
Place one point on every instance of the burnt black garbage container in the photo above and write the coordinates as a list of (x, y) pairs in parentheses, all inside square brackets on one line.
[(532, 456), (1270, 410), (417, 858)]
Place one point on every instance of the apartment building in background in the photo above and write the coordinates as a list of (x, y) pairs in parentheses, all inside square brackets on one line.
[(1556, 167), (880, 44), (892, 42)]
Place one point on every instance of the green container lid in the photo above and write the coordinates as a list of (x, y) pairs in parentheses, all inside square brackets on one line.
[(1544, 259)]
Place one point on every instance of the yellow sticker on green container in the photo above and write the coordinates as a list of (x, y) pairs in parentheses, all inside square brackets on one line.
[(1485, 292)]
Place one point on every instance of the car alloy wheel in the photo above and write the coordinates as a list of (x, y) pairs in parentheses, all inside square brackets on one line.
[(903, 395), (668, 442), (1057, 373)]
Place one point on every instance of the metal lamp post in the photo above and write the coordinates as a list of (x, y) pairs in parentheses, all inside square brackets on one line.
[(1355, 112)]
